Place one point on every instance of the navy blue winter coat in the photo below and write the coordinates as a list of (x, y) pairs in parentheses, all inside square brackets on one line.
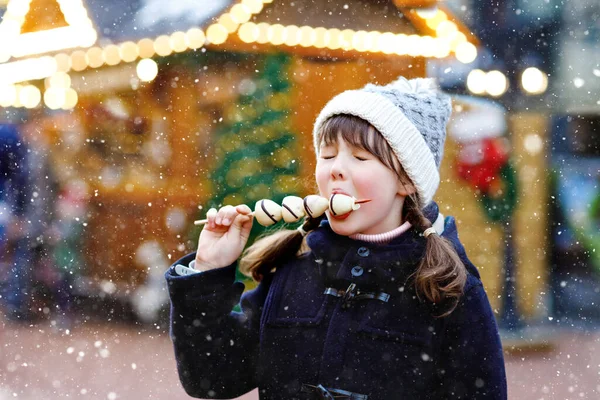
[(294, 341)]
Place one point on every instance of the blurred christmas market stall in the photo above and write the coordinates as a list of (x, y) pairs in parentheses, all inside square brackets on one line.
[(163, 109)]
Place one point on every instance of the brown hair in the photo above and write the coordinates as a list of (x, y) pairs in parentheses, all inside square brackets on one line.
[(440, 276)]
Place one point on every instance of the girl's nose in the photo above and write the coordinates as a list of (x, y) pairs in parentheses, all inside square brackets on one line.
[(338, 170)]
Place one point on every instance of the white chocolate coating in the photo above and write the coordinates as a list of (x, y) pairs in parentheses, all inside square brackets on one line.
[(267, 212), (340, 204), (315, 205), (292, 208)]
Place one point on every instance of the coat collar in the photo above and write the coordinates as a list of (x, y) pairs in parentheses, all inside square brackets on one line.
[(386, 263)]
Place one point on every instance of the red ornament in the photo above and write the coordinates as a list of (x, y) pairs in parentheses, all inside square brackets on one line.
[(479, 162)]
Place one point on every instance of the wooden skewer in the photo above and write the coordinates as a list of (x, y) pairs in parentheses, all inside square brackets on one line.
[(204, 221)]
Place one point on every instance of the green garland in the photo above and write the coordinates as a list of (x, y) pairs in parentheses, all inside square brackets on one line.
[(501, 208)]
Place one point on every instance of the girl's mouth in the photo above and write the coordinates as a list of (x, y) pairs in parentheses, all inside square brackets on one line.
[(341, 217)]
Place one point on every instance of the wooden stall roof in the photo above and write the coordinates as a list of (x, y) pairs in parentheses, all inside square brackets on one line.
[(105, 33)]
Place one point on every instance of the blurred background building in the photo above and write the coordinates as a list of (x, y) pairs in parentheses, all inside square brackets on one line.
[(154, 112)]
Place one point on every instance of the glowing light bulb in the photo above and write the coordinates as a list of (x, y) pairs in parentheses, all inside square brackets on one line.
[(534, 81), (496, 83), (476, 81), (147, 69)]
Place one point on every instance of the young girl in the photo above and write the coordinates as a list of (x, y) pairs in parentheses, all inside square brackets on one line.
[(378, 304)]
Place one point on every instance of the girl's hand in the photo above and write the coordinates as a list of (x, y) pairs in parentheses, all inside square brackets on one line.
[(223, 237)]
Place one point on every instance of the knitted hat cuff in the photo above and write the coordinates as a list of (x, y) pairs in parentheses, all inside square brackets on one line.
[(404, 138)]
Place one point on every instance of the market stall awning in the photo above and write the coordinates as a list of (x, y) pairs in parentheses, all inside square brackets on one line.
[(40, 38)]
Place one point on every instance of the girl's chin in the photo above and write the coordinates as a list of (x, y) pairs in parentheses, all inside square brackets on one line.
[(342, 227)]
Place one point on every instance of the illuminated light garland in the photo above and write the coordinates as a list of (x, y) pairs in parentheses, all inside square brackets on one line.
[(63, 62), (129, 51), (27, 70), (195, 38), (162, 46), (333, 39), (112, 54), (178, 42), (95, 57), (29, 96), (146, 48), (58, 80), (438, 21), (448, 39), (494, 83), (79, 32), (79, 60)]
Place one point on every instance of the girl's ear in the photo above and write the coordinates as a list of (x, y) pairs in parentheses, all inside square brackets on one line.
[(405, 188)]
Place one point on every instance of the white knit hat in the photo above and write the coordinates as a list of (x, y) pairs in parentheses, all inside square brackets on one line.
[(411, 115)]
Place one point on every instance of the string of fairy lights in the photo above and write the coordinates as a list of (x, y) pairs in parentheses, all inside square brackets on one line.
[(80, 34)]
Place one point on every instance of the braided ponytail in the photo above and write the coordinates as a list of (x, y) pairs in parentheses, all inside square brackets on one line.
[(273, 249), (441, 274)]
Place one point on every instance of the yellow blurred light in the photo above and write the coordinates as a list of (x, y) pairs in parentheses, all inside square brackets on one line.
[(346, 39), (112, 55), (456, 39), (147, 69), (441, 48), (373, 41), (248, 32), (79, 60), (54, 98), (178, 42), (30, 96), (146, 48), (255, 6), (466, 53), (307, 36), (413, 46), (17, 102), (227, 21), (426, 13), (427, 45), (63, 62), (129, 51), (446, 28), (434, 21), (17, 9), (358, 41), (276, 34), (240, 13), (476, 81), (162, 45), (59, 80), (334, 38), (71, 99), (534, 81), (386, 42), (8, 95), (4, 55), (95, 57), (216, 34), (292, 35), (496, 83), (26, 70), (195, 38), (321, 37), (52, 40), (263, 33)]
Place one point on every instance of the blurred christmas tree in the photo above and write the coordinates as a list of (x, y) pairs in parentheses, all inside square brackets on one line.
[(254, 147)]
